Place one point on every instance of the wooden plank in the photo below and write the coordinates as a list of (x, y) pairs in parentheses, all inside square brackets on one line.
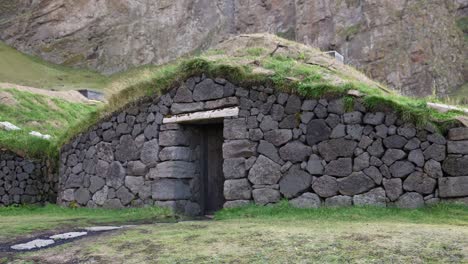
[(201, 116)]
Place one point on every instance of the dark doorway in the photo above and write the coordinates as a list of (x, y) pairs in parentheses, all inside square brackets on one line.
[(212, 167)]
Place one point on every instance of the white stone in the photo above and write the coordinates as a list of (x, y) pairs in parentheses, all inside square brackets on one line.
[(102, 228), (8, 126), (39, 135), (37, 243), (200, 116), (69, 235)]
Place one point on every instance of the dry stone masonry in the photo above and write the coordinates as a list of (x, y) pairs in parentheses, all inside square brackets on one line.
[(280, 145), (24, 181)]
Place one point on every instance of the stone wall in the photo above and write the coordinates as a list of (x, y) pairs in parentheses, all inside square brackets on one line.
[(24, 181), (309, 151)]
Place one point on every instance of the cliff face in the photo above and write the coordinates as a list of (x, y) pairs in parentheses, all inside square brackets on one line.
[(416, 46)]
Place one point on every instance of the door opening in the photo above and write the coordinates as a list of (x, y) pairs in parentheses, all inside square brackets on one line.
[(212, 167)]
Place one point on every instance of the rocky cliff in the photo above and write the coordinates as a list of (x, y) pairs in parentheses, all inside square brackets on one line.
[(416, 46)]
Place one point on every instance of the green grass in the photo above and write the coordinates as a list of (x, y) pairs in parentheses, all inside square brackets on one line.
[(33, 112), (22, 69), (281, 235), (26, 220)]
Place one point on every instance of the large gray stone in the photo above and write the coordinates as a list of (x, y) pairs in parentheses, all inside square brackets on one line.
[(456, 166), (457, 147), (352, 117), (236, 204), (127, 149), (339, 131), (183, 95), (375, 197), (238, 189), (354, 184), (82, 196), (437, 138), (173, 138), (173, 169), (339, 201), (289, 122), (268, 124), (375, 174), (135, 184), (175, 153), (411, 200), (453, 187), (170, 189), (433, 169), (407, 130), (392, 155), (419, 182), (374, 118), (341, 167), (393, 188), (354, 132), (376, 149), (266, 196), (295, 152), (417, 157), (325, 186), (234, 168), (278, 137), (116, 175), (293, 105), (265, 171), (96, 183), (295, 182), (401, 169), (100, 197), (207, 90), (436, 152), (315, 166), (222, 103), (317, 131), (235, 129), (239, 149), (150, 152), (112, 204), (269, 150), (104, 152), (136, 168), (334, 148), (395, 142), (361, 162), (306, 200), (459, 133), (124, 195), (277, 112), (336, 106)]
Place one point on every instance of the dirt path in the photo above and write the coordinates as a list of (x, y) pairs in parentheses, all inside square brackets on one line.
[(70, 96)]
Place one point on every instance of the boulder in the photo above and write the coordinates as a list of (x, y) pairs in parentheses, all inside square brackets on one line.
[(456, 166), (239, 149), (207, 90), (295, 151), (266, 196), (170, 189), (325, 186), (334, 148), (341, 167), (265, 171), (317, 131), (354, 184), (401, 169), (306, 200), (238, 189), (410, 200), (453, 187), (278, 137), (419, 182), (393, 188), (375, 197), (295, 182), (234, 168)]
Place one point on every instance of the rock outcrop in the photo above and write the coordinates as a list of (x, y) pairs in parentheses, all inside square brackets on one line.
[(413, 46)]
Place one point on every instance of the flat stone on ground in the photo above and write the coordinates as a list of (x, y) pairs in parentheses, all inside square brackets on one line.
[(68, 235), (37, 243)]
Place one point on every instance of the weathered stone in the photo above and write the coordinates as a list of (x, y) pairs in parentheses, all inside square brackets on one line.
[(361, 162), (306, 200), (412, 144), (376, 149), (277, 112), (374, 118), (341, 167), (239, 149), (235, 129), (135, 184), (112, 204), (82, 196), (183, 95), (170, 189), (234, 168), (375, 197), (236, 204), (173, 169), (294, 182), (401, 169), (124, 195), (393, 188), (269, 150), (352, 118), (278, 137), (315, 166), (173, 138), (175, 153), (266, 196), (419, 182), (68, 195), (456, 166), (104, 152), (334, 148), (339, 201), (436, 152), (381, 131), (317, 131), (354, 184), (408, 131), (417, 157), (392, 155), (333, 120), (411, 200), (96, 183), (237, 189), (437, 138), (265, 171), (295, 152), (336, 106), (126, 149), (150, 152), (136, 168), (325, 186), (395, 141), (293, 105), (354, 132), (268, 124), (339, 131), (100, 197), (290, 121), (374, 174), (222, 103), (306, 117), (453, 187), (433, 169), (309, 105), (457, 147), (207, 90), (116, 175), (459, 133)]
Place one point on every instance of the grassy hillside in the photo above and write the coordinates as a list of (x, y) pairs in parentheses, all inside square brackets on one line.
[(18, 68), (33, 112)]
